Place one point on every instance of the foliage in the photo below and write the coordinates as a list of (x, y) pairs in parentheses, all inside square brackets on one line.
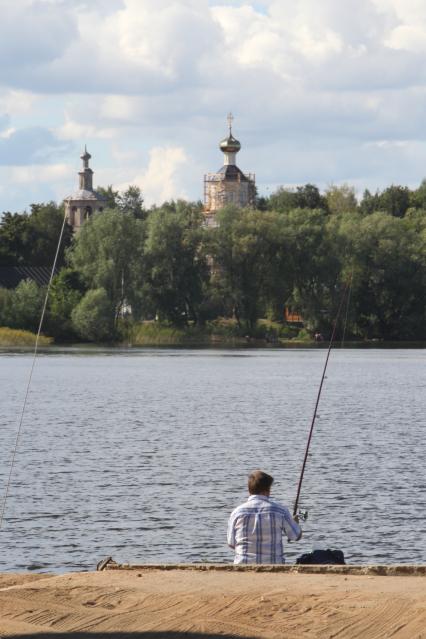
[(303, 197), (316, 265), (389, 277), (394, 200), (32, 239), (250, 260), (130, 264), (107, 253), (21, 308), (93, 317), (130, 201), (341, 199), (65, 293), (175, 264), (109, 196)]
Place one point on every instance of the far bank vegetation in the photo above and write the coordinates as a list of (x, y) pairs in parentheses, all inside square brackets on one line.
[(158, 276)]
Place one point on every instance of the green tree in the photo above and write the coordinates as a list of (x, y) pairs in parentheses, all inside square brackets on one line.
[(395, 200), (32, 239), (317, 268), (389, 276), (304, 197), (108, 254), (65, 293), (341, 199), (250, 263), (14, 248), (44, 227), (418, 196), (5, 306), (370, 202), (131, 201), (93, 317), (25, 307), (109, 195), (175, 264)]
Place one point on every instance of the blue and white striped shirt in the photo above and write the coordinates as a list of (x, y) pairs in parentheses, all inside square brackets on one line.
[(255, 530)]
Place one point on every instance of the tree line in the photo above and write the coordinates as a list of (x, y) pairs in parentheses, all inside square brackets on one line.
[(297, 250)]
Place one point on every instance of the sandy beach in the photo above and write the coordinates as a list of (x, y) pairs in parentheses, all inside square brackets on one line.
[(192, 603)]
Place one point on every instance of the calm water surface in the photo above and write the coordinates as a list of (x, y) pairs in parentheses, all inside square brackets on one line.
[(142, 454)]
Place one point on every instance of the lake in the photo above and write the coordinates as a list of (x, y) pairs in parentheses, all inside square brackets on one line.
[(143, 453)]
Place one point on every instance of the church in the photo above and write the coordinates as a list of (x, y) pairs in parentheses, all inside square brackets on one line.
[(228, 186), (85, 201)]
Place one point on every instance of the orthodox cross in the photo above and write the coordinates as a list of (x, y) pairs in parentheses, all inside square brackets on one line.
[(230, 119)]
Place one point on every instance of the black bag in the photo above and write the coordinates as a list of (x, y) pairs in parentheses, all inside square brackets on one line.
[(322, 557)]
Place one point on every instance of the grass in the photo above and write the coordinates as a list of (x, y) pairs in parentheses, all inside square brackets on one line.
[(12, 337), (155, 334), (219, 331)]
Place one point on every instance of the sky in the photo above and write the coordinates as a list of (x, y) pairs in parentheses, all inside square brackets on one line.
[(322, 91)]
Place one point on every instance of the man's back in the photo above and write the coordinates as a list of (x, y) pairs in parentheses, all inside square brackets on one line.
[(256, 528)]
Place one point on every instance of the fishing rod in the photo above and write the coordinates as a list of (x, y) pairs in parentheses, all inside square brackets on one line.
[(35, 354), (311, 431)]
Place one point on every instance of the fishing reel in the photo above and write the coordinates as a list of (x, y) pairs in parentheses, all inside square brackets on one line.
[(302, 515)]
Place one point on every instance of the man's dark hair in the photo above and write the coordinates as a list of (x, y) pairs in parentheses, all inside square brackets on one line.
[(259, 482)]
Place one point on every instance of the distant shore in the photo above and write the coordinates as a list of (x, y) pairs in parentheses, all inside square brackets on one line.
[(195, 604), (27, 342)]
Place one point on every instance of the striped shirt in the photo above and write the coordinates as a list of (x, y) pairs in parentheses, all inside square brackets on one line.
[(255, 530)]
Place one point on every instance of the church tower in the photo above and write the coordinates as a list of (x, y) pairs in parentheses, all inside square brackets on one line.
[(83, 203), (229, 185)]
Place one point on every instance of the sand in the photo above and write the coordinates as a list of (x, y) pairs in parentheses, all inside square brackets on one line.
[(195, 604)]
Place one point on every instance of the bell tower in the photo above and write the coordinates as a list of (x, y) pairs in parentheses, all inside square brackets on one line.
[(229, 185), (83, 203), (86, 175)]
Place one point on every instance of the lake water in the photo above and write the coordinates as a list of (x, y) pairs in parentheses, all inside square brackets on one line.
[(142, 454)]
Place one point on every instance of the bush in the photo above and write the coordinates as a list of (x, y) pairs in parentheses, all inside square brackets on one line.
[(23, 306), (304, 336), (93, 317)]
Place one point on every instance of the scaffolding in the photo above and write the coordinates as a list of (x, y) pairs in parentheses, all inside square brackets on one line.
[(220, 190)]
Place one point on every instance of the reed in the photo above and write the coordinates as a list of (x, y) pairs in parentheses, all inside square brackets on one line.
[(150, 334), (12, 337)]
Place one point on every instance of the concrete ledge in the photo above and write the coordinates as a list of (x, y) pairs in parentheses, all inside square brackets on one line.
[(394, 570)]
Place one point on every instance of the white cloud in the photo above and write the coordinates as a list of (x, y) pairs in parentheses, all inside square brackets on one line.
[(48, 173), (7, 133), (162, 179), (73, 130), (16, 102), (305, 80)]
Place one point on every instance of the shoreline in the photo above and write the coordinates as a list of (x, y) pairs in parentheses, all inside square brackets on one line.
[(214, 345), (384, 570), (195, 603)]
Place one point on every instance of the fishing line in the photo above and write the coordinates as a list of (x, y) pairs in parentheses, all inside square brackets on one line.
[(21, 420), (299, 487)]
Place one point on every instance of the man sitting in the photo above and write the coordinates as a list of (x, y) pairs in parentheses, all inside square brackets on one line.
[(255, 528)]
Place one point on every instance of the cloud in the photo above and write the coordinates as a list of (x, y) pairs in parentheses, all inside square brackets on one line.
[(22, 185), (144, 45), (32, 145), (33, 33), (321, 91), (162, 179), (16, 102)]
